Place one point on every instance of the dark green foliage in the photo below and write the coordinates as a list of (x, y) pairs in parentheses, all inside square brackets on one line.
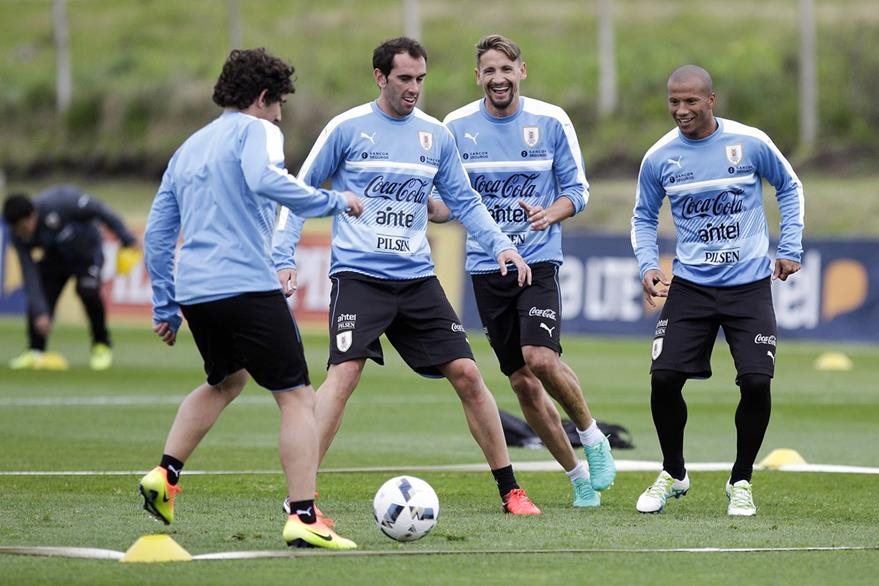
[(136, 63)]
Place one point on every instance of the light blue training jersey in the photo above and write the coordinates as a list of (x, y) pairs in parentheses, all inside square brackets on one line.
[(532, 155), (715, 189), (393, 164), (220, 192)]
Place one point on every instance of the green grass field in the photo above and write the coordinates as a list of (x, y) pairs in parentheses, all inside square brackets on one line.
[(115, 422)]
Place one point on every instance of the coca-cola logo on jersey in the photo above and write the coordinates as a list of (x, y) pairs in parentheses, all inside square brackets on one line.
[(515, 185), (410, 190), (724, 203)]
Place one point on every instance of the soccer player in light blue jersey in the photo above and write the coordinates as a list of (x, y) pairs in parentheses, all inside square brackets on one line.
[(523, 157), (219, 195), (383, 277), (712, 172)]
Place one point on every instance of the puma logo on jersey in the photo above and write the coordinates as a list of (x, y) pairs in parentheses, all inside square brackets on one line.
[(547, 328), (769, 354), (369, 137), (675, 162), (471, 136)]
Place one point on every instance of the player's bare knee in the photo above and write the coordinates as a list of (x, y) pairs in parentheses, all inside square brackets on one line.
[(527, 388), (467, 380), (542, 361), (231, 386)]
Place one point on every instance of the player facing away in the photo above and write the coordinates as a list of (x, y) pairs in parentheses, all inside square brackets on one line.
[(523, 157), (63, 222), (221, 191), (712, 171), (382, 273)]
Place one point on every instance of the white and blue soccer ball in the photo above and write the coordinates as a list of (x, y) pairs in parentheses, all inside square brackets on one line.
[(406, 508)]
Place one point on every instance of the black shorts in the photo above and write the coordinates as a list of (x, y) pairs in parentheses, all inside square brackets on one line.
[(515, 316), (692, 314), (254, 331), (414, 314)]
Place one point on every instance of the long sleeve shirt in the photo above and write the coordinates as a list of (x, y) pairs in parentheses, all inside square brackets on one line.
[(715, 189), (393, 163), (531, 155), (220, 192), (68, 221)]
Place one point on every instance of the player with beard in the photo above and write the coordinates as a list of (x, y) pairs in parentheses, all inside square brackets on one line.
[(523, 157), (382, 272), (712, 171)]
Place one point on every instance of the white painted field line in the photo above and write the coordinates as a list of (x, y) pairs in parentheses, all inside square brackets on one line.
[(541, 466), (107, 554), (144, 399), (238, 555), (64, 552)]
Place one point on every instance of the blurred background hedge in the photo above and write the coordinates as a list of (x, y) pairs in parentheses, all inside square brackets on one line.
[(143, 72)]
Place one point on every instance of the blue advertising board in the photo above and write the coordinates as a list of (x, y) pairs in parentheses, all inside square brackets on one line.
[(834, 297), (12, 298)]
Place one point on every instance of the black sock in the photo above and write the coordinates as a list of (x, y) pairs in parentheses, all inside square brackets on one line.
[(174, 468), (505, 479), (752, 419), (669, 412), (304, 510)]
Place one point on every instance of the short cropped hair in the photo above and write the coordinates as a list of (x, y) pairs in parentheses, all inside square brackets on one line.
[(17, 206), (383, 56), (246, 73), (498, 43)]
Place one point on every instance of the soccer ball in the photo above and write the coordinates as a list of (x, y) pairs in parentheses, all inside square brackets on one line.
[(406, 508)]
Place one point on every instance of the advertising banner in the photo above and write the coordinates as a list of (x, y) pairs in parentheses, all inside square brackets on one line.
[(835, 295)]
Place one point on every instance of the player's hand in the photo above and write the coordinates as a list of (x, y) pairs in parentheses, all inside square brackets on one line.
[(43, 324), (164, 330), (437, 210), (537, 216), (652, 278), (784, 268), (522, 268), (355, 205), (287, 278)]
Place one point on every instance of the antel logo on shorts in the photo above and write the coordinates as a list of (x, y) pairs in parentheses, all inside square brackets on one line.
[(545, 313), (346, 321), (661, 326), (761, 339)]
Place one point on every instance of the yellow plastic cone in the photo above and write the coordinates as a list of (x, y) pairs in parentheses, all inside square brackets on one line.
[(156, 548), (836, 361), (781, 457)]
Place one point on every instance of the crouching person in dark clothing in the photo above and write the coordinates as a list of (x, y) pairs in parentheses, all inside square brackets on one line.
[(62, 222)]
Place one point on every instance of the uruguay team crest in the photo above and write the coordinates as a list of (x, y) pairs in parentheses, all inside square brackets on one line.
[(426, 139), (734, 153), (657, 348), (343, 341), (531, 135)]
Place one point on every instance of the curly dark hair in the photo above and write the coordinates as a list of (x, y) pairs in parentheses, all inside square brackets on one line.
[(383, 56), (248, 72)]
